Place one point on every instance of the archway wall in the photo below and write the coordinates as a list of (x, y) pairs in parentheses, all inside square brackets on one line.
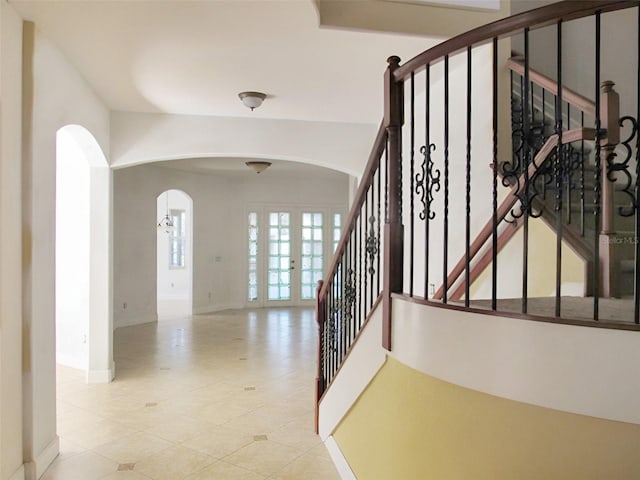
[(46, 110), (138, 138), (136, 191), (220, 207)]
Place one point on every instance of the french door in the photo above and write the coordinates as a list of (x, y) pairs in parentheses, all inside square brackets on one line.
[(289, 249)]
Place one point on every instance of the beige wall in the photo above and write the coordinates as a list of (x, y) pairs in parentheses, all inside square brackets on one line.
[(410, 425), (55, 95), (10, 244)]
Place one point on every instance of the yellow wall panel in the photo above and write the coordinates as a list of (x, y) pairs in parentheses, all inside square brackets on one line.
[(408, 425)]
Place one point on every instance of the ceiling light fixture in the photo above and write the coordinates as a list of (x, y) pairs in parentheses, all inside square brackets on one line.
[(258, 166), (252, 100)]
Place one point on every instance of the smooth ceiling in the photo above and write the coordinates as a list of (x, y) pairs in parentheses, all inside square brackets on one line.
[(187, 57)]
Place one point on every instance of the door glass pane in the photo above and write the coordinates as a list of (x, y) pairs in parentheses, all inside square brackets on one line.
[(311, 247), (177, 239), (279, 256), (252, 287), (337, 229)]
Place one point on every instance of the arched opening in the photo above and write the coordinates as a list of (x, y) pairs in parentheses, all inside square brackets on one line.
[(174, 254), (83, 255)]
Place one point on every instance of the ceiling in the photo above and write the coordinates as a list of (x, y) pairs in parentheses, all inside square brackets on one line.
[(194, 57), (237, 169)]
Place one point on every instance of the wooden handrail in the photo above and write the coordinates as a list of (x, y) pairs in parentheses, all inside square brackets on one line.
[(532, 19), (377, 150), (487, 257), (511, 199), (583, 104)]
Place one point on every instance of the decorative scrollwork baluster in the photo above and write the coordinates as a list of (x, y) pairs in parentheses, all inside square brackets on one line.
[(614, 169), (342, 311), (372, 244), (427, 182)]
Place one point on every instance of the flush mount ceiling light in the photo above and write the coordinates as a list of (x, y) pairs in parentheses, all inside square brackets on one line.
[(252, 100), (258, 166)]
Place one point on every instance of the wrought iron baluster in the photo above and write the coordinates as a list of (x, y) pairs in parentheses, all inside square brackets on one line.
[(525, 205), (372, 246), (494, 240), (412, 123), (636, 272), (582, 196), (558, 167), (379, 174), (570, 167), (445, 268), (468, 185), (426, 206), (598, 177), (365, 251), (358, 271)]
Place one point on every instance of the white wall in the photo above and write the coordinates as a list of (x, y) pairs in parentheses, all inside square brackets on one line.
[(219, 232), (11, 456), (619, 52), (47, 109), (174, 284), (481, 158), (72, 253)]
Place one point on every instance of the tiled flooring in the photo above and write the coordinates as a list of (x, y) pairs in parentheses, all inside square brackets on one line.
[(223, 396)]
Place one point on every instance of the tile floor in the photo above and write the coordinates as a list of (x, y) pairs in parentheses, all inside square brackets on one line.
[(222, 396)]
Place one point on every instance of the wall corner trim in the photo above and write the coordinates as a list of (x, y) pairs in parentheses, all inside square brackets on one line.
[(341, 464)]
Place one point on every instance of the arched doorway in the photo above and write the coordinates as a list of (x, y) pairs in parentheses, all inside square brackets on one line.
[(174, 254), (83, 255)]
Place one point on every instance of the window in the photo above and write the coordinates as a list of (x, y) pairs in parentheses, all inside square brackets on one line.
[(253, 257), (177, 238)]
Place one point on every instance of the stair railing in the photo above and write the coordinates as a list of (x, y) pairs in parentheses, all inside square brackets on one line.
[(446, 114), (352, 288)]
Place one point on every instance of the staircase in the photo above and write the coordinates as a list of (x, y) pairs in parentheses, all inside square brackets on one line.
[(575, 211), (398, 360)]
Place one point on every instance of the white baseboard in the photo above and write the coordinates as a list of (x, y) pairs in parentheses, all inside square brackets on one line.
[(134, 320), (19, 474), (46, 457), (101, 376), (341, 464)]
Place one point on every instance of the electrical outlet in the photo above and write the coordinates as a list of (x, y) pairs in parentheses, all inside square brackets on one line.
[(432, 290), (124, 306)]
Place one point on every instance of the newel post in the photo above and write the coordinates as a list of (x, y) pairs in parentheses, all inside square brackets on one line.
[(610, 115), (393, 229), (610, 121)]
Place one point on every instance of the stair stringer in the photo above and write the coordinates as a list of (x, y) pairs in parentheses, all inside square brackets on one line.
[(358, 369)]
